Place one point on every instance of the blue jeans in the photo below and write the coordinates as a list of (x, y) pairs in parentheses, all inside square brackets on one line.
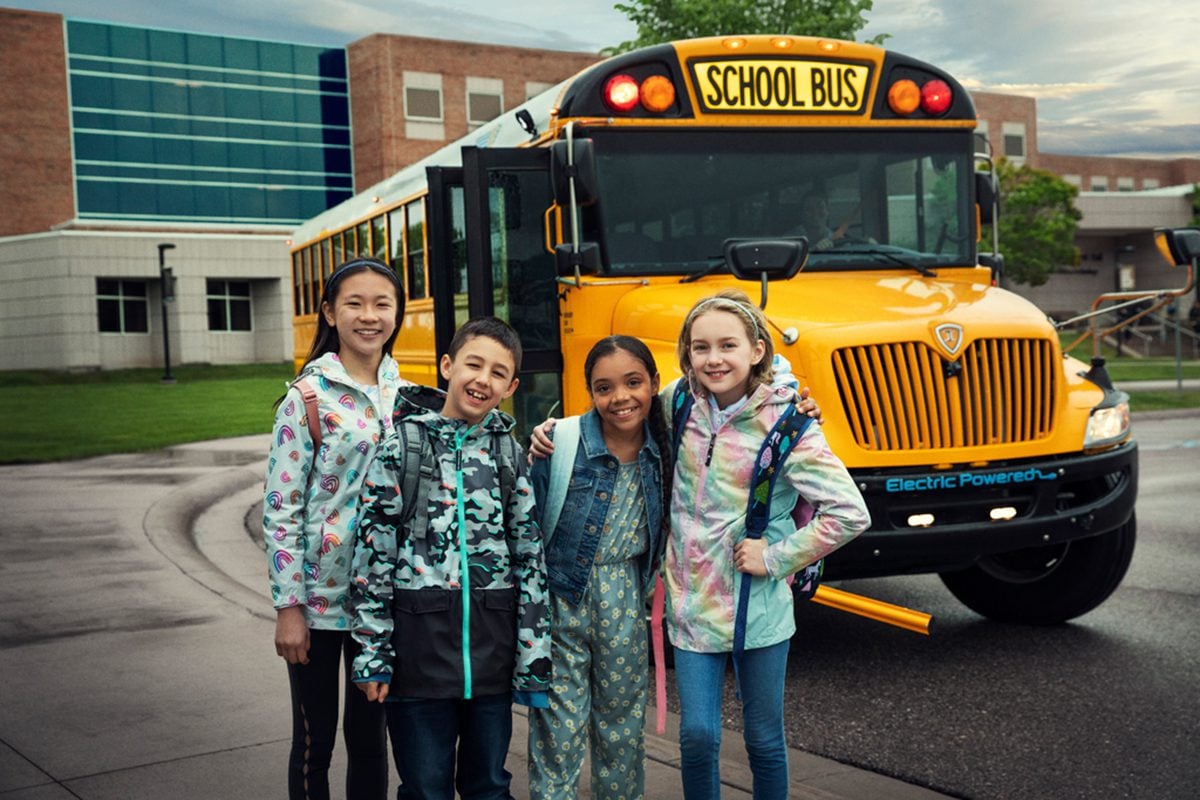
[(441, 745), (700, 678)]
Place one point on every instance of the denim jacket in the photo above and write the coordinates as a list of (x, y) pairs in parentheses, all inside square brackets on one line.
[(571, 549)]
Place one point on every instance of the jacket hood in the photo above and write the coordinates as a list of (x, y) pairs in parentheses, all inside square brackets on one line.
[(423, 404), (330, 367)]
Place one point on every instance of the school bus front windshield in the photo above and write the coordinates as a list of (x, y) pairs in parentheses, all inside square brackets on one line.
[(864, 199)]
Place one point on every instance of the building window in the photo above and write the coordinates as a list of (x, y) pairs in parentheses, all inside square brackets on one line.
[(423, 96), (228, 305), (1074, 180), (121, 306), (1099, 183), (1014, 141), (1124, 184), (423, 109), (982, 145), (1149, 183), (534, 88), (175, 127), (485, 100)]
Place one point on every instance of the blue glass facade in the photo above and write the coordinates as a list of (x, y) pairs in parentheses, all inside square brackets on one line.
[(185, 127)]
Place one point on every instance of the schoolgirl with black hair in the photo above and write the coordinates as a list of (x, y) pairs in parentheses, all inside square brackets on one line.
[(309, 513)]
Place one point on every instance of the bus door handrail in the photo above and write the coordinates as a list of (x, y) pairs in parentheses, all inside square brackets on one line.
[(1161, 298)]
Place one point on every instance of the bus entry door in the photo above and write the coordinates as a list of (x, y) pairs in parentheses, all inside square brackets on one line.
[(509, 272)]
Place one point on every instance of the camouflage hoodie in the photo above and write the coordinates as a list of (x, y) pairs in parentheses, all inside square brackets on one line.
[(415, 616)]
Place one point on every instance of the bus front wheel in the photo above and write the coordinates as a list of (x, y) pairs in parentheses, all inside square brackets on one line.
[(1046, 585)]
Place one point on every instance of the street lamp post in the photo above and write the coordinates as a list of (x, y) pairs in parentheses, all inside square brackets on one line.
[(166, 280)]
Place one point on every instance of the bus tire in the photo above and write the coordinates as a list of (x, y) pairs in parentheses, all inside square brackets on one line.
[(1046, 585)]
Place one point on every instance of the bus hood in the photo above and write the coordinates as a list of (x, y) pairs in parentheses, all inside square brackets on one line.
[(831, 310), (908, 370)]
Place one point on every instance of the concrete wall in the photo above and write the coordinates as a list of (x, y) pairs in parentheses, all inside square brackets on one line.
[(1116, 231), (48, 316)]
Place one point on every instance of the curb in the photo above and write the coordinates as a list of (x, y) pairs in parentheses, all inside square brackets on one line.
[(170, 526)]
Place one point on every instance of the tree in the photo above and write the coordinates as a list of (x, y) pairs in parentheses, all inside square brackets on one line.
[(660, 21), (1037, 223)]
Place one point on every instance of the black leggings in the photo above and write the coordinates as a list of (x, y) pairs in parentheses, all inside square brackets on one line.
[(315, 690)]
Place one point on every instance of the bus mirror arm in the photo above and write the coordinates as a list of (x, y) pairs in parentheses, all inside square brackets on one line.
[(573, 183), (573, 163)]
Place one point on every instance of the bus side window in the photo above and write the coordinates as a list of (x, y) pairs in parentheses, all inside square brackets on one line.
[(415, 241), (378, 238), (396, 251), (339, 250), (364, 239)]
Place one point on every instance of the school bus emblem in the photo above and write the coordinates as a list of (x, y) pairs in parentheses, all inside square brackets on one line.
[(950, 337)]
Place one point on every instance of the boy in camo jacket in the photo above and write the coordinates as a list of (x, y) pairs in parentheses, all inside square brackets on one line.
[(448, 654)]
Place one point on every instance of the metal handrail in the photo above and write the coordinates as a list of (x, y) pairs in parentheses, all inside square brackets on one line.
[(1160, 298)]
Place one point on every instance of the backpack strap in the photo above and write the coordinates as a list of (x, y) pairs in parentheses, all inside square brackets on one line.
[(504, 446), (416, 465), (562, 464), (774, 451), (311, 415), (783, 436), (681, 408)]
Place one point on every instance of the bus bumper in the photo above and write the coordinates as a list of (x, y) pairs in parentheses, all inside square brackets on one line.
[(939, 520)]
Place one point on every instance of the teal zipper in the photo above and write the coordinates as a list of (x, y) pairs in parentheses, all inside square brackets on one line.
[(459, 437)]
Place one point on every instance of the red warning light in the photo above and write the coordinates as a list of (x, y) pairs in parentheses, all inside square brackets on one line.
[(936, 98), (621, 93)]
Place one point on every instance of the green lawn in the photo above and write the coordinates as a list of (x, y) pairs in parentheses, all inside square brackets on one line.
[(54, 416)]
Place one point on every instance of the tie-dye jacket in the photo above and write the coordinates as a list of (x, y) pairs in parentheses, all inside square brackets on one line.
[(708, 517), (308, 525), (415, 616)]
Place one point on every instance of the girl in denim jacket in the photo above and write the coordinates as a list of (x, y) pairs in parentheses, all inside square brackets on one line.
[(601, 500)]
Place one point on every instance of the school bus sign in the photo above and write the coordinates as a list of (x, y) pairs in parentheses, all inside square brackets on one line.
[(780, 86)]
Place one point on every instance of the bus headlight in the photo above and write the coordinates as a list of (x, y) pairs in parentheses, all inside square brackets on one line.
[(1108, 424)]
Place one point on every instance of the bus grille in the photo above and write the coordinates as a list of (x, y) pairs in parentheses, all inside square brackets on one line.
[(905, 396)]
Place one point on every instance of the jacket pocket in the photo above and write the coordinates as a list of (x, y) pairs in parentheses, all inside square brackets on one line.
[(493, 640), (427, 630)]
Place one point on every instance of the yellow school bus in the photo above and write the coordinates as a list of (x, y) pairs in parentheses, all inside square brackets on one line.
[(614, 201)]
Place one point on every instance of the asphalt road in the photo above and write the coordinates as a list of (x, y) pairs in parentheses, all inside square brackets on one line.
[(1104, 706)]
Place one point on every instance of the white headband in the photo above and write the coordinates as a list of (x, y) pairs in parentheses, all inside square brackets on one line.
[(696, 309)]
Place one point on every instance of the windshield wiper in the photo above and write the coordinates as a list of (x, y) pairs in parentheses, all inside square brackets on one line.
[(870, 251), (717, 263)]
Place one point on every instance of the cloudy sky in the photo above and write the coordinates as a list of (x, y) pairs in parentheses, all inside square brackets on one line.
[(1110, 78)]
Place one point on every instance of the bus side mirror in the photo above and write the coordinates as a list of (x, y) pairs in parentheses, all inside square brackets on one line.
[(569, 263), (985, 196), (765, 259), (1178, 246), (994, 262), (582, 166)]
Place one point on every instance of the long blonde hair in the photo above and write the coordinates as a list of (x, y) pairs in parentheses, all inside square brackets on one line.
[(754, 323)]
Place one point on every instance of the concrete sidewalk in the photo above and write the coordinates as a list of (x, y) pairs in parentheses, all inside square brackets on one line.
[(136, 642)]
